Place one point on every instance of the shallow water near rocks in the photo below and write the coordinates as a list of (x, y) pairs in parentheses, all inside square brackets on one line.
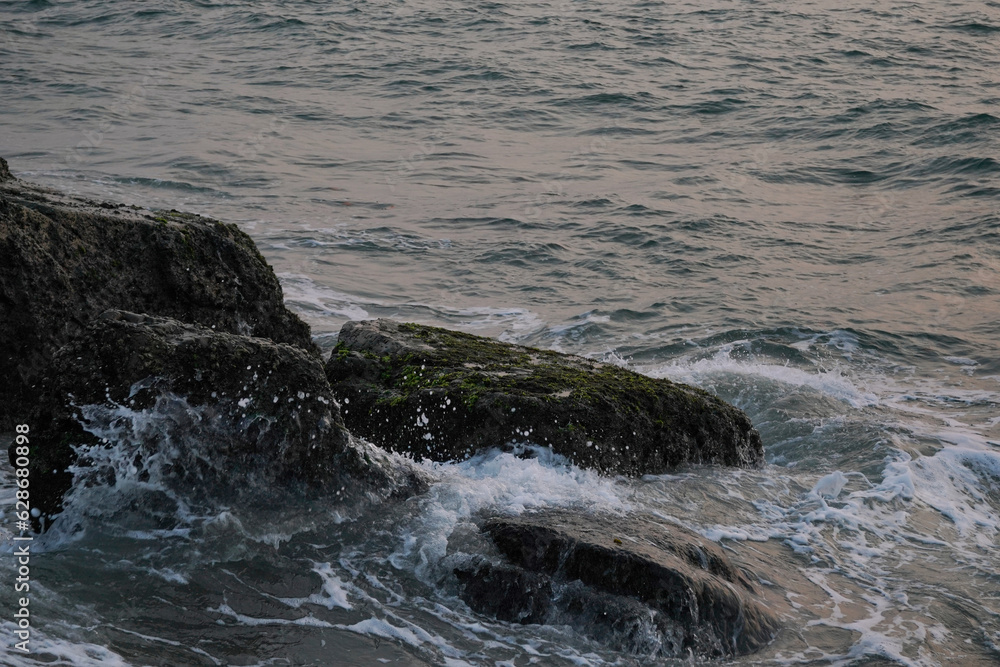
[(793, 205)]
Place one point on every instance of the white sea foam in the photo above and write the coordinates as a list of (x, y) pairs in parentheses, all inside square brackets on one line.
[(332, 594), (243, 619), (833, 382), (304, 294), (500, 482), (856, 532), (379, 628), (851, 527), (845, 341), (63, 651), (962, 484)]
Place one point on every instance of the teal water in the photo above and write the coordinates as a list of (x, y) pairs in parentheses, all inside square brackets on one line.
[(795, 205)]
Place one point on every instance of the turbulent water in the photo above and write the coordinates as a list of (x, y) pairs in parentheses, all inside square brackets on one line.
[(795, 205)]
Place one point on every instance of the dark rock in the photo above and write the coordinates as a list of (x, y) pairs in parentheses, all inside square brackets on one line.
[(64, 260), (507, 593), (644, 586), (5, 174), (445, 394), (231, 413)]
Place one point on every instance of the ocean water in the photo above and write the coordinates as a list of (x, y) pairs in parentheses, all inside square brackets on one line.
[(795, 205)]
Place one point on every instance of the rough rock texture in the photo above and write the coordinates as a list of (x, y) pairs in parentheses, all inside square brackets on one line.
[(64, 260), (651, 588), (226, 410), (444, 394)]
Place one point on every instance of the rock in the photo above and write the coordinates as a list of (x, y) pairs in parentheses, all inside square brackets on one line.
[(507, 593), (445, 394), (5, 174), (207, 410), (66, 260), (638, 584)]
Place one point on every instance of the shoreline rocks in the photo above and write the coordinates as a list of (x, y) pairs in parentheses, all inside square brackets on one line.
[(66, 260), (646, 586), (156, 346), (188, 305), (444, 394), (236, 413)]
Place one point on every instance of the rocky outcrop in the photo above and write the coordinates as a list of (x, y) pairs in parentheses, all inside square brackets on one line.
[(643, 586), (66, 260), (226, 412), (444, 394), (156, 348)]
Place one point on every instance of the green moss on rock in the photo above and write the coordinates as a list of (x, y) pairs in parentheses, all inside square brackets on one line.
[(445, 394)]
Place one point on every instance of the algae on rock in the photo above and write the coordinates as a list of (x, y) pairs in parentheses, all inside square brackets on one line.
[(444, 395)]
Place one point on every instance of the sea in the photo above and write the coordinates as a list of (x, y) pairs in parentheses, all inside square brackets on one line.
[(792, 204)]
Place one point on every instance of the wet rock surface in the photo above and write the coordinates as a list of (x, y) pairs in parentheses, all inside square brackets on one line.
[(234, 412), (444, 395), (648, 587), (65, 260)]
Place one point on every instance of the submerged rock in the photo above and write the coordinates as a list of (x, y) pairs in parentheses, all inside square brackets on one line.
[(213, 410), (650, 588), (445, 394), (65, 260)]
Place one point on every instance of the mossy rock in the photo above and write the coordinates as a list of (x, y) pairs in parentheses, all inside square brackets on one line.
[(446, 395)]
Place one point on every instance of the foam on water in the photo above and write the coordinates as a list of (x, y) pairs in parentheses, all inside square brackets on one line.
[(649, 176), (862, 533), (323, 302), (862, 537), (325, 308), (60, 651), (833, 382), (869, 536), (964, 486), (501, 483), (334, 592)]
